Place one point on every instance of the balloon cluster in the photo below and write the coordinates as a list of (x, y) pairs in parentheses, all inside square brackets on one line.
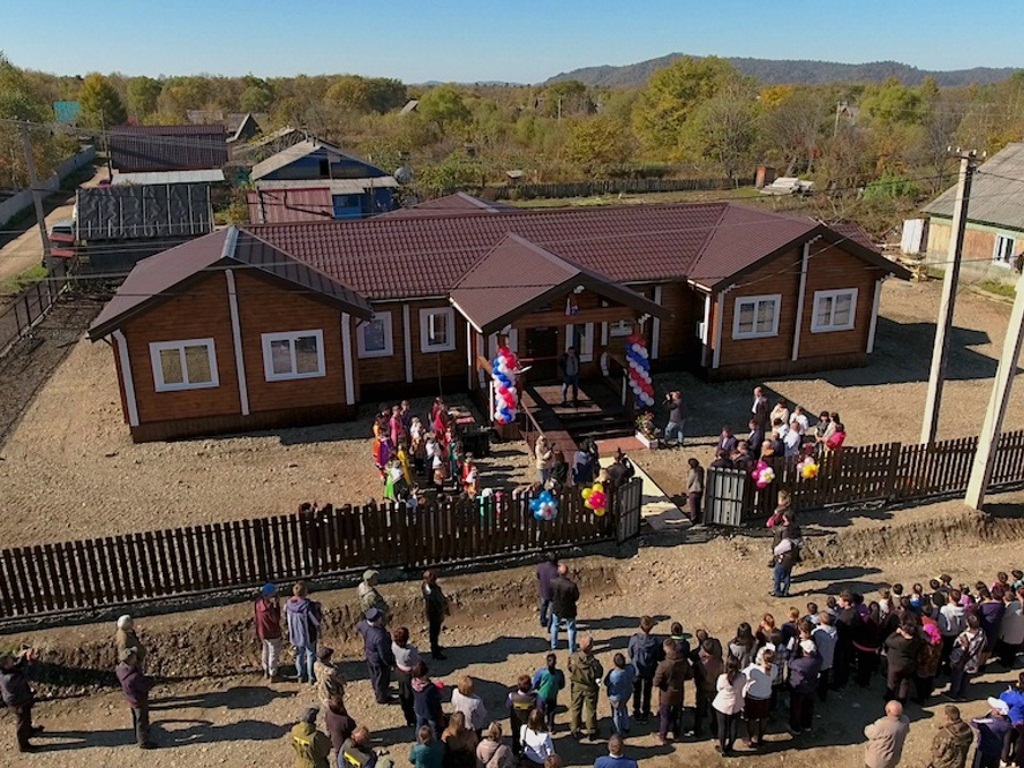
[(595, 498), (506, 398), (808, 468), (545, 506), (640, 371), (763, 475)]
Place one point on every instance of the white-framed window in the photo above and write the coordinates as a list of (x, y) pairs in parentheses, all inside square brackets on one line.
[(581, 336), (374, 337), (756, 317), (1004, 251), (620, 329), (834, 310), (187, 364), (293, 355), (437, 330)]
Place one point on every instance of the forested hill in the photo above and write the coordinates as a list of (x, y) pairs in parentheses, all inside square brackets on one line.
[(772, 72)]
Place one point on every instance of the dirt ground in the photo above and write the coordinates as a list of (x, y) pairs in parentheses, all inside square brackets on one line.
[(71, 462), (234, 720)]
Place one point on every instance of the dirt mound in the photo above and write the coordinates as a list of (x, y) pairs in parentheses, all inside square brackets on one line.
[(918, 537), (219, 642)]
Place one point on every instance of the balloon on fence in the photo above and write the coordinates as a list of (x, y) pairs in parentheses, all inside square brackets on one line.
[(640, 371), (762, 474), (506, 397), (594, 498), (545, 506)]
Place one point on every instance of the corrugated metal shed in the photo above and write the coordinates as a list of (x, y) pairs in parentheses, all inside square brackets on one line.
[(130, 213), (168, 147), (207, 176), (335, 186), (997, 192)]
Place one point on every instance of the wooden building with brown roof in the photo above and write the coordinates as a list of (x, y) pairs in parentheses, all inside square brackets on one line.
[(272, 325)]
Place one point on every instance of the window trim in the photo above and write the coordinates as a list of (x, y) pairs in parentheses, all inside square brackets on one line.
[(586, 350), (425, 346), (616, 329), (995, 250), (156, 347), (389, 337), (819, 295), (756, 300), (268, 361)]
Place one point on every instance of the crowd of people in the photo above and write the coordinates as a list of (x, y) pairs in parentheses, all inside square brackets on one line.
[(698, 685), (417, 454)]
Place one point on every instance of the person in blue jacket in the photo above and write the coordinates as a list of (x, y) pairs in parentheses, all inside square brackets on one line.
[(619, 682)]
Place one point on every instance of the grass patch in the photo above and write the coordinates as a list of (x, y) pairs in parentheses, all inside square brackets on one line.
[(18, 283), (999, 288)]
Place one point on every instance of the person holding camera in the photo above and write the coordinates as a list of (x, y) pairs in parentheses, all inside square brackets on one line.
[(676, 418), (19, 696)]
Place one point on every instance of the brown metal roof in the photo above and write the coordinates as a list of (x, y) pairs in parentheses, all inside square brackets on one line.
[(517, 276), (167, 147), (154, 280), (460, 201), (396, 257)]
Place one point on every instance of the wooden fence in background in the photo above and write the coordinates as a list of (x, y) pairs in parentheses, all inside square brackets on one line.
[(886, 472), (83, 575), (548, 190)]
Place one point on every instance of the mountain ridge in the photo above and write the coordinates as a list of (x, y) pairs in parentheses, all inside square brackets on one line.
[(789, 71)]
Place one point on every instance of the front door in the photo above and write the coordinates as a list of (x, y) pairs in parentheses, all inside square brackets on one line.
[(542, 353)]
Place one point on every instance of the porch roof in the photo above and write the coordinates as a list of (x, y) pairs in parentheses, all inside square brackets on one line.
[(517, 277)]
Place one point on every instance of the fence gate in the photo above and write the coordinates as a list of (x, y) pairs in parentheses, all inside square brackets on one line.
[(629, 501), (725, 491)]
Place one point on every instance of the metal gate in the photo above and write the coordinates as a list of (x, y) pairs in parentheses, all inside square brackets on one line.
[(725, 492), (628, 501)]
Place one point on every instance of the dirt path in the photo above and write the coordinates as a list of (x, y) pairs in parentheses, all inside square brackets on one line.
[(26, 250), (236, 721)]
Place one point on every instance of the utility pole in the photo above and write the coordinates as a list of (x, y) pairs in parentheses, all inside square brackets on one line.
[(988, 441), (936, 378), (37, 195)]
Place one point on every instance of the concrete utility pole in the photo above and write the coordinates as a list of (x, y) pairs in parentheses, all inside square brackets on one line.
[(940, 355), (37, 196), (988, 441)]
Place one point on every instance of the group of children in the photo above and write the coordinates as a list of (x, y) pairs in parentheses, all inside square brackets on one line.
[(411, 455)]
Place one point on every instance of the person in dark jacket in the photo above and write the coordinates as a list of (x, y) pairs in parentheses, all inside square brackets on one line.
[(584, 467), (848, 621), (522, 700), (645, 652), (992, 734), (303, 630), (18, 696), (902, 648), (267, 610), (136, 687), (670, 679), (435, 607), (564, 596), (426, 699), (379, 657), (547, 570), (675, 429), (804, 667), (339, 723)]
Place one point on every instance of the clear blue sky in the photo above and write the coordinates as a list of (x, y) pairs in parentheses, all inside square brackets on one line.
[(506, 40)]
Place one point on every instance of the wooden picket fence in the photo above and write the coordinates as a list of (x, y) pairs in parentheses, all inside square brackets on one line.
[(80, 576), (886, 472)]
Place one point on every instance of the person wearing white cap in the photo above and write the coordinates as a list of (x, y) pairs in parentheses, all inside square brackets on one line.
[(992, 732), (128, 638), (886, 737), (804, 667)]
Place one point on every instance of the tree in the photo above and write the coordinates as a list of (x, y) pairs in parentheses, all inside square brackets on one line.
[(893, 103), (367, 94), (673, 93), (257, 96), (143, 93), (723, 129), (17, 99), (793, 126), (444, 106), (100, 102), (597, 143), (567, 98)]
